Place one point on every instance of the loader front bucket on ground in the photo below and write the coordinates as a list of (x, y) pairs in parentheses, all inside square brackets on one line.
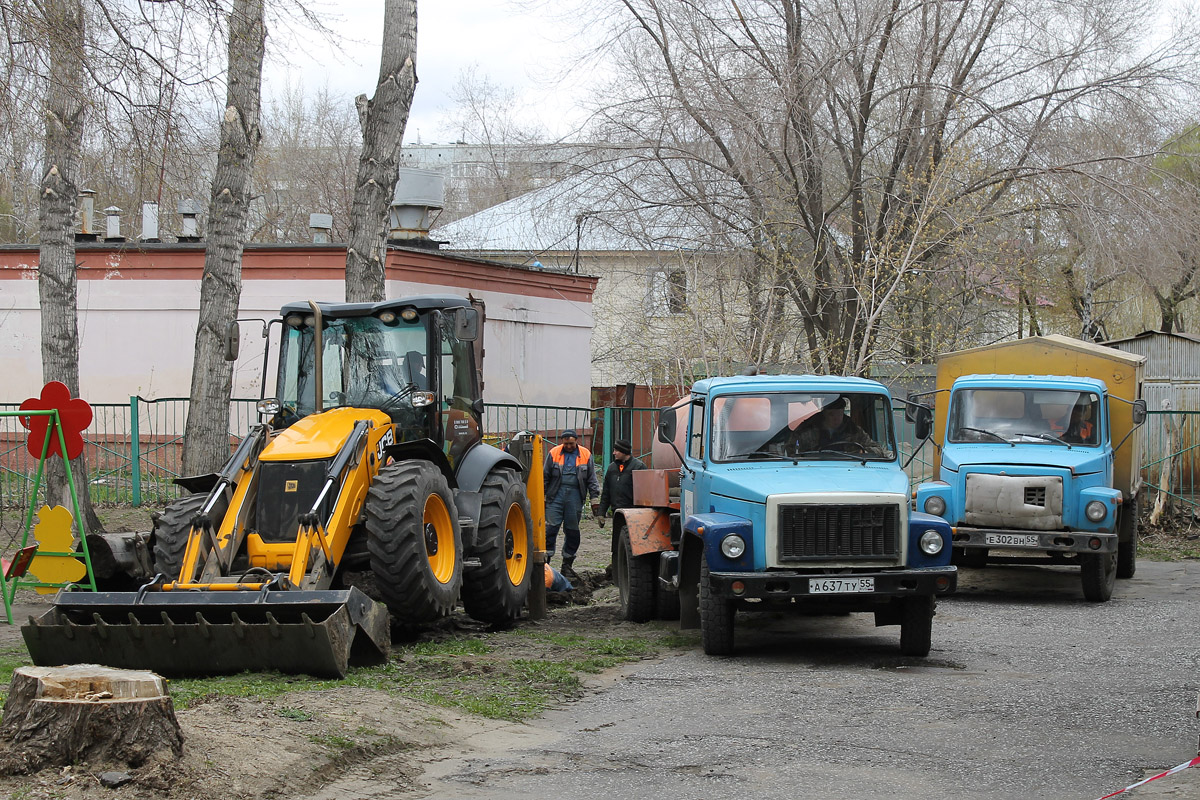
[(210, 632)]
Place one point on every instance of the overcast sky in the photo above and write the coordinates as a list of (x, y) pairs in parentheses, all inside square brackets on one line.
[(513, 47)]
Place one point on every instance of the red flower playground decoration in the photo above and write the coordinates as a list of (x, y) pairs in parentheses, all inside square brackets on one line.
[(74, 414)]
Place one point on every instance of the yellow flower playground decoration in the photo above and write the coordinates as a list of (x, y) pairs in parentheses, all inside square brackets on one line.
[(53, 534)]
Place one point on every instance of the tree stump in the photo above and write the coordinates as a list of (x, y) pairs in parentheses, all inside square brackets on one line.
[(56, 716)]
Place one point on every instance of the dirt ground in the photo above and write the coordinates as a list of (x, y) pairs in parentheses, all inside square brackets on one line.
[(338, 742), (298, 744), (316, 743)]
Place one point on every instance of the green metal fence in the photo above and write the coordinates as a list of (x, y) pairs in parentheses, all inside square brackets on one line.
[(134, 449)]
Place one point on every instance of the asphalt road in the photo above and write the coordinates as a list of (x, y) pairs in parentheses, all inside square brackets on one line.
[(1030, 692)]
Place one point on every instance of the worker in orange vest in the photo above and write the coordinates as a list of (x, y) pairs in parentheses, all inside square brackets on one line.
[(1081, 429), (570, 476)]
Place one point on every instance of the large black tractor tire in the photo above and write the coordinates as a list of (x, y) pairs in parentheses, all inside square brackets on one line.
[(1099, 575), (716, 617), (496, 590), (414, 542), (1127, 538), (169, 536), (916, 626), (635, 580)]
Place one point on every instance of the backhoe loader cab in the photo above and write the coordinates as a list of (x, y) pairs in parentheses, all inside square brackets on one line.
[(372, 461)]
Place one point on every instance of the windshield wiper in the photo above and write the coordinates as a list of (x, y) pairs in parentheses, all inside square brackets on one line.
[(840, 453), (1049, 437), (986, 432), (756, 455)]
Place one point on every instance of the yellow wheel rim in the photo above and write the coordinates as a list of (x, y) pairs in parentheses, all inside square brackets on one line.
[(516, 544), (439, 538)]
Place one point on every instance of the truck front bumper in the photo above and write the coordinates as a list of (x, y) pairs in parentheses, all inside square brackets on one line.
[(785, 585), (1046, 541)]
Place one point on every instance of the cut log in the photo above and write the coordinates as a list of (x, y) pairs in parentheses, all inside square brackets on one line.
[(55, 716)]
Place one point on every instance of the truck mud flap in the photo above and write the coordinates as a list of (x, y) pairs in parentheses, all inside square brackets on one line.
[(320, 633)]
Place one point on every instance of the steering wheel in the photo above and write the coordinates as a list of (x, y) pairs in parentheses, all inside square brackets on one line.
[(862, 448)]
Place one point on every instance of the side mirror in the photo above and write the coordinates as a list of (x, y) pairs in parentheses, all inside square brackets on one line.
[(466, 324), (666, 425), (1139, 412), (233, 341), (922, 421)]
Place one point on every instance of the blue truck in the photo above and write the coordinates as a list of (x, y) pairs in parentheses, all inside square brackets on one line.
[(790, 495), (1040, 468)]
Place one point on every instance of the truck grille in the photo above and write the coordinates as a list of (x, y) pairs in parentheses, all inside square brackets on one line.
[(827, 532)]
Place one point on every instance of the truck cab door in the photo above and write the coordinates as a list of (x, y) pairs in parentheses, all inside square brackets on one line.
[(695, 480)]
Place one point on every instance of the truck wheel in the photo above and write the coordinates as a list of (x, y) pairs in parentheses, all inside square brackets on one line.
[(635, 581), (916, 626), (1127, 540), (1099, 575), (716, 617), (414, 542), (168, 539), (495, 591)]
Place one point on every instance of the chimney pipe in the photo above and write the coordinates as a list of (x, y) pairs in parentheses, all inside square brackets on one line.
[(150, 222), (419, 197), (320, 225), (188, 210), (87, 204), (112, 225)]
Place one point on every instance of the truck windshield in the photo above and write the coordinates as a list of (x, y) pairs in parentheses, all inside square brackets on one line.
[(781, 426), (1019, 416), (365, 363)]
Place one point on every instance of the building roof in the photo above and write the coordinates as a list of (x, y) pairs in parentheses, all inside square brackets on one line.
[(589, 212), (1191, 337), (1055, 340)]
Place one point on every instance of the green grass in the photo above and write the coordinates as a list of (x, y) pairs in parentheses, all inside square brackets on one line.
[(297, 714), (489, 675), (333, 741)]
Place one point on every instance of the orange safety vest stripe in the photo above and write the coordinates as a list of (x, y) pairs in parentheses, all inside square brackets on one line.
[(556, 455)]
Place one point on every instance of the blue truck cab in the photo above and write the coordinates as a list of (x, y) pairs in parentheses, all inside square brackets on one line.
[(1026, 475), (792, 496)]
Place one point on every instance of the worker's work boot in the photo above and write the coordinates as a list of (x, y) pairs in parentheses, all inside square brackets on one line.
[(567, 570)]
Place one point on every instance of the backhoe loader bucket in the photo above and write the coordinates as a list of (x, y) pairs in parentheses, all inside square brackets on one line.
[(211, 632)]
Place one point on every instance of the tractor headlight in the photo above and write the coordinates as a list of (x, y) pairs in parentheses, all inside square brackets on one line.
[(268, 405), (732, 546), (931, 542), (1096, 511), (408, 314), (935, 505)]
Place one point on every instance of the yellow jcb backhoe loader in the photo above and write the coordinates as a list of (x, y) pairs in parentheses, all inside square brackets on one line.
[(369, 460)]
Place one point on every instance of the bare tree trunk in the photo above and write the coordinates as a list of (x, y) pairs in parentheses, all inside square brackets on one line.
[(65, 112), (206, 437), (383, 121)]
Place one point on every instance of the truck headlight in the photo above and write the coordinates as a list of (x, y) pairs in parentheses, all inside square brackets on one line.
[(935, 505), (931, 542), (1096, 510), (732, 546)]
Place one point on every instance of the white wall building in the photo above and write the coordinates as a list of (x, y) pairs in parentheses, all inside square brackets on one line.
[(138, 308)]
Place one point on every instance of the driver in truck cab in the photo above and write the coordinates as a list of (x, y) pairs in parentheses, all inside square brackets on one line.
[(829, 426)]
